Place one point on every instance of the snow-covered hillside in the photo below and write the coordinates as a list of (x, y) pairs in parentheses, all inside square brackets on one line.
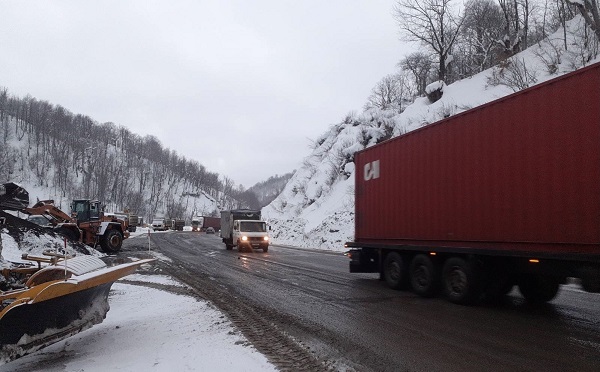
[(316, 208), (141, 184)]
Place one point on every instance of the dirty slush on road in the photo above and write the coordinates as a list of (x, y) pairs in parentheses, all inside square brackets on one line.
[(257, 324)]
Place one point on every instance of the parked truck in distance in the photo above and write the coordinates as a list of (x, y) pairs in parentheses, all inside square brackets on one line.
[(159, 224), (201, 223), (197, 223), (501, 195), (244, 229), (177, 224), (134, 222)]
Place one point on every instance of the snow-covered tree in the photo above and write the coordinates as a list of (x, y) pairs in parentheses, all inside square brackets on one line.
[(590, 10), (434, 24), (390, 93), (419, 65), (482, 27)]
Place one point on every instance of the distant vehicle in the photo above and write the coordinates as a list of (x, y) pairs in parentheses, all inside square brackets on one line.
[(201, 223), (197, 223), (38, 219), (210, 230), (178, 224), (134, 222), (158, 224)]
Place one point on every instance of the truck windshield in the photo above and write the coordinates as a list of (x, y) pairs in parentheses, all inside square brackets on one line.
[(253, 226)]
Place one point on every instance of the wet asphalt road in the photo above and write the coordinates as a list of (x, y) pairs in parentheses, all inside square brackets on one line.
[(354, 322)]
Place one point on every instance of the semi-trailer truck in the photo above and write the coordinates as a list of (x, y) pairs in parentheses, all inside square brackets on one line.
[(201, 223), (504, 194)]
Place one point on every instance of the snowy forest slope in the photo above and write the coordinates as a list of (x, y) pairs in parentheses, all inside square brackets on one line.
[(55, 154)]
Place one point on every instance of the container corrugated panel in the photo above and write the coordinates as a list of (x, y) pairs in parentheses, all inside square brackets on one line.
[(214, 222), (519, 173)]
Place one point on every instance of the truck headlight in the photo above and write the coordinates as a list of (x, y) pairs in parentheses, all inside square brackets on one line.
[(244, 238), (266, 238)]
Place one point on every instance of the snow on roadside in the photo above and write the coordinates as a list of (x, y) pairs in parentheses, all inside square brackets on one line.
[(152, 329)]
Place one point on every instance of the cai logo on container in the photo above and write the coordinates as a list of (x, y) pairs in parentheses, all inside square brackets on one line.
[(371, 170)]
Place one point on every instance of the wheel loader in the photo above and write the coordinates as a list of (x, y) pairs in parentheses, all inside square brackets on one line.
[(87, 222)]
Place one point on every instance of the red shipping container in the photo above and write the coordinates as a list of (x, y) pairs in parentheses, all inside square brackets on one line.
[(518, 174)]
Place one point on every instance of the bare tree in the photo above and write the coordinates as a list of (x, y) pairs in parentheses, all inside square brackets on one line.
[(433, 23), (514, 75), (590, 11), (419, 64), (511, 41), (390, 93), (518, 15), (483, 25)]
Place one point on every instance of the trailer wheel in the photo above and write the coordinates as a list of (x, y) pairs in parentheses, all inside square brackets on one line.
[(538, 289), (424, 275), (394, 271), (460, 281), (111, 241)]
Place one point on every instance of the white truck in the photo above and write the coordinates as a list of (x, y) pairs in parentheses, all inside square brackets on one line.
[(158, 224), (244, 229), (197, 222)]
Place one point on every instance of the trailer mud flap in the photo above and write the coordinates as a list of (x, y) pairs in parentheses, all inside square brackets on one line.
[(363, 261)]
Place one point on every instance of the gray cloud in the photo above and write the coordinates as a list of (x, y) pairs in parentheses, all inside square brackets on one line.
[(240, 86)]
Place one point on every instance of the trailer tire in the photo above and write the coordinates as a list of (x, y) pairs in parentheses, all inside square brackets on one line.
[(461, 282), (538, 289), (111, 241), (394, 271), (424, 275)]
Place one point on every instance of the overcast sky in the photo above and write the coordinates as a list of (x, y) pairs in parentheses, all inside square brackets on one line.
[(243, 87)]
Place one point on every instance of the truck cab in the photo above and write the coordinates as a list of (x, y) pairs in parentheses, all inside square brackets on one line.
[(158, 224), (244, 229), (196, 223), (251, 234)]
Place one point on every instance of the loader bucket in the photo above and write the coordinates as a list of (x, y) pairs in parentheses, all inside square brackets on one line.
[(13, 197)]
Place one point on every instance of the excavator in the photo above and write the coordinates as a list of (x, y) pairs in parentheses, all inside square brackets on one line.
[(87, 222)]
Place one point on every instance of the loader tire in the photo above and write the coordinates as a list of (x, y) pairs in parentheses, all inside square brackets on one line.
[(112, 241)]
